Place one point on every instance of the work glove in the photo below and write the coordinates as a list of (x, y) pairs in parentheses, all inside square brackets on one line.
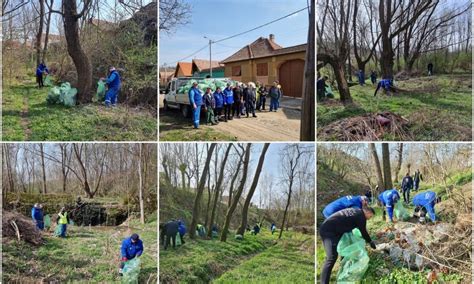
[(124, 258), (372, 245)]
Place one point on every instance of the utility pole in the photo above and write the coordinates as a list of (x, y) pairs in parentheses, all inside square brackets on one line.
[(210, 55)]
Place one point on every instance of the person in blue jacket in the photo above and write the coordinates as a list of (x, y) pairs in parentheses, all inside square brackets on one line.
[(386, 85), (388, 199), (131, 247), (344, 203), (181, 230), (40, 70), (228, 102), (425, 203), (219, 98), (361, 77), (273, 228), (114, 83), (195, 99), (407, 185), (37, 215)]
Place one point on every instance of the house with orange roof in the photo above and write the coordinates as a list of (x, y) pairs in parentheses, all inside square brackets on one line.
[(266, 61)]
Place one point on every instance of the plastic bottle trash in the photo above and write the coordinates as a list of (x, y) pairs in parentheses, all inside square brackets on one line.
[(401, 213), (355, 260), (100, 91), (131, 270), (178, 239)]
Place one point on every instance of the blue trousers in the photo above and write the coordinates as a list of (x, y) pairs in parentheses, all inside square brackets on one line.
[(196, 116), (63, 230), (39, 224), (111, 97), (273, 104)]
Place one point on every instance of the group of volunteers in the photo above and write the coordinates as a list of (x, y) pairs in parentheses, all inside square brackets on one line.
[(173, 232), (350, 212), (323, 90), (232, 102), (131, 248), (113, 82)]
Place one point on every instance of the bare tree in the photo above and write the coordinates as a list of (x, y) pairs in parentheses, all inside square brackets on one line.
[(399, 161), (378, 169), (387, 173), (308, 128), (173, 13)]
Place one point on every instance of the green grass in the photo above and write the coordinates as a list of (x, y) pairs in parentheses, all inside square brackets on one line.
[(252, 259), (177, 128), (438, 108), (88, 254), (90, 122), (284, 262)]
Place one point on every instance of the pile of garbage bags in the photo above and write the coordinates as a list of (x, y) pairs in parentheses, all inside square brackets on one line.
[(355, 259), (401, 213), (131, 270), (64, 95), (203, 84)]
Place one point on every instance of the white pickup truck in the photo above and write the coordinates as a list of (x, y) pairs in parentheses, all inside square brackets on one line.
[(180, 100)]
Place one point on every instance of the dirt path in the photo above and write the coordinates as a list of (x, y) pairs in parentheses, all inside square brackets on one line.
[(25, 122), (283, 125)]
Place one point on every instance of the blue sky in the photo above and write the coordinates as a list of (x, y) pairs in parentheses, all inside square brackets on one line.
[(225, 18)]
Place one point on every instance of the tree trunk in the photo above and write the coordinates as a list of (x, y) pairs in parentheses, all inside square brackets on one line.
[(387, 173), (342, 85), (245, 209), (43, 167), (217, 190), (378, 169), (199, 191), (236, 198), (399, 162), (140, 185), (48, 24), (39, 34), (74, 48), (308, 128)]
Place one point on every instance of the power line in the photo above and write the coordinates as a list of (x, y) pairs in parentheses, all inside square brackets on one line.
[(261, 26), (196, 52)]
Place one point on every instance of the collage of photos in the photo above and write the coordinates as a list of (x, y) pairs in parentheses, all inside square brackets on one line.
[(225, 141)]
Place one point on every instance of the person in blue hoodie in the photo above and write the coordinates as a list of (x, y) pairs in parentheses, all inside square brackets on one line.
[(181, 230), (388, 199), (386, 85), (37, 215), (40, 70), (195, 99), (228, 102), (344, 203), (425, 203), (131, 247), (361, 77), (114, 83), (219, 98)]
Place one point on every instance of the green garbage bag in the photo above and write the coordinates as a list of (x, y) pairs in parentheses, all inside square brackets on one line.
[(131, 270), (68, 95), (100, 91), (329, 92), (71, 222), (57, 231), (47, 81), (47, 221), (53, 96), (178, 239), (401, 213), (355, 260)]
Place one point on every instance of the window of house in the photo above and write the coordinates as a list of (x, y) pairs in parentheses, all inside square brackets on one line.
[(262, 69), (236, 71)]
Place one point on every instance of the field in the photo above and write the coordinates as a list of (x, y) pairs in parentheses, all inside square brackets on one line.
[(437, 108)]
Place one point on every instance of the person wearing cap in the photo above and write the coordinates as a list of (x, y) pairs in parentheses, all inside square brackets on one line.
[(228, 102), (275, 94), (209, 106), (195, 99), (388, 199), (131, 247), (334, 227), (113, 82), (37, 215), (345, 202)]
